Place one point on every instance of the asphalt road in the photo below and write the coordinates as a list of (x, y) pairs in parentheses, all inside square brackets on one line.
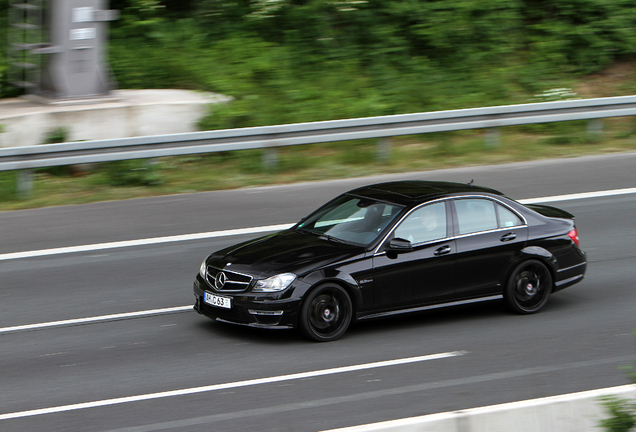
[(241, 375)]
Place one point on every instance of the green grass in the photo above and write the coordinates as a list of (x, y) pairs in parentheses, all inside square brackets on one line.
[(317, 162)]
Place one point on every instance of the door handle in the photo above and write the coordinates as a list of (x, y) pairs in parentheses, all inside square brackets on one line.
[(442, 251), (508, 237)]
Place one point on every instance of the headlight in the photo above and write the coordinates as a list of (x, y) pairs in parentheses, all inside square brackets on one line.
[(274, 283), (203, 269)]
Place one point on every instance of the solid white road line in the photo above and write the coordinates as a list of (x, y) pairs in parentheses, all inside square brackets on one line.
[(231, 385), (257, 230), (97, 318), (142, 242), (584, 195)]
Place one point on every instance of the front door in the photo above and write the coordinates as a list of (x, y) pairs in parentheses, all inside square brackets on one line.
[(425, 274)]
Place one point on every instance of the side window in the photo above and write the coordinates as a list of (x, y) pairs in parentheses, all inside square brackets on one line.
[(424, 224), (507, 218), (474, 215)]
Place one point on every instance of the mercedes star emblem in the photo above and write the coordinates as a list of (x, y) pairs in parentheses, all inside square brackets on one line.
[(220, 280)]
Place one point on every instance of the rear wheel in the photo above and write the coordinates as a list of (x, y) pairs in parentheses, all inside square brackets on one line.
[(326, 313), (529, 287)]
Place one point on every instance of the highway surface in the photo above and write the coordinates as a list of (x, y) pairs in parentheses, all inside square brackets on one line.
[(171, 369)]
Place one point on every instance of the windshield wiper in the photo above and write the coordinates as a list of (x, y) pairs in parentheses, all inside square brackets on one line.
[(309, 232), (333, 239), (321, 236)]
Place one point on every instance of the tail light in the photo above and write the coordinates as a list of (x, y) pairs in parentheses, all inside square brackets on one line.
[(574, 235)]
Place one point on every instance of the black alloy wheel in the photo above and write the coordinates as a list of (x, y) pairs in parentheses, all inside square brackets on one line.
[(326, 313), (529, 287)]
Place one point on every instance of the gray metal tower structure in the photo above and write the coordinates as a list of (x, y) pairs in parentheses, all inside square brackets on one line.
[(57, 48), (25, 34)]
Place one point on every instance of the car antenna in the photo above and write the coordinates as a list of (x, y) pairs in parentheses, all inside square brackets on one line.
[(470, 183)]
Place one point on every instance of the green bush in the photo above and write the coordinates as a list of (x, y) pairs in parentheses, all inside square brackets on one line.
[(136, 172), (8, 186), (622, 411), (288, 61), (56, 135), (623, 415), (249, 161)]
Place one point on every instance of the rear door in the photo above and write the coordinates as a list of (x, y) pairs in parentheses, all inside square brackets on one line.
[(489, 235)]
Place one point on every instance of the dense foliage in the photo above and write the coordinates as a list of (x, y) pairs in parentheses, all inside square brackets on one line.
[(622, 415), (302, 60)]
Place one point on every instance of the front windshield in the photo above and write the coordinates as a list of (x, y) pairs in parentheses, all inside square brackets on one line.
[(351, 219)]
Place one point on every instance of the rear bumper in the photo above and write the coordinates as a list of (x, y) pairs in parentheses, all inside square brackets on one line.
[(571, 275)]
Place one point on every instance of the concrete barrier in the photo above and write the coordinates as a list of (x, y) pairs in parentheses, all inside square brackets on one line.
[(125, 113), (576, 412)]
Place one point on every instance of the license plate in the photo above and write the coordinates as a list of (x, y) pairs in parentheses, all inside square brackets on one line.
[(218, 301)]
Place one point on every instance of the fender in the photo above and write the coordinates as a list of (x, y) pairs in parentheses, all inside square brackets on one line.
[(335, 276), (542, 254)]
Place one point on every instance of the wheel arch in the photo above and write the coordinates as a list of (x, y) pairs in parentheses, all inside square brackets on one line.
[(344, 280), (537, 253)]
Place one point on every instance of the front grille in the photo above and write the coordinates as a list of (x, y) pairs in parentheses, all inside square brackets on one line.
[(234, 282)]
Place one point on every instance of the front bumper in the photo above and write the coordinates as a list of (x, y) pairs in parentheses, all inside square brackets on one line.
[(254, 310)]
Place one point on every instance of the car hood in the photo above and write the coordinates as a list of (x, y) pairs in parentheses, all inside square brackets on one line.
[(286, 251)]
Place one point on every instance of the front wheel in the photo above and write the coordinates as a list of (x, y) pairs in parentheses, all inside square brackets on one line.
[(326, 313), (529, 287)]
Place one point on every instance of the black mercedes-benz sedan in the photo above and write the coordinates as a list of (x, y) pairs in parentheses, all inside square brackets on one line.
[(393, 248)]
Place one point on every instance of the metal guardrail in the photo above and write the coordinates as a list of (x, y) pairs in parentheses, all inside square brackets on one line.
[(22, 158)]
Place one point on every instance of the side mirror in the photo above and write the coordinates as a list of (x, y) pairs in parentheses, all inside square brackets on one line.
[(399, 245)]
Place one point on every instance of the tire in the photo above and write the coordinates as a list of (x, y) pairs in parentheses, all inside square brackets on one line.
[(326, 313), (529, 287)]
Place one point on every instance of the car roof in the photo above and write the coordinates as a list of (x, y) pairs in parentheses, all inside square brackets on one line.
[(417, 191)]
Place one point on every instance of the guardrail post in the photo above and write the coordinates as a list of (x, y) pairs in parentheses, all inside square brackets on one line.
[(595, 129), (270, 159), (25, 183), (492, 137), (383, 150)]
